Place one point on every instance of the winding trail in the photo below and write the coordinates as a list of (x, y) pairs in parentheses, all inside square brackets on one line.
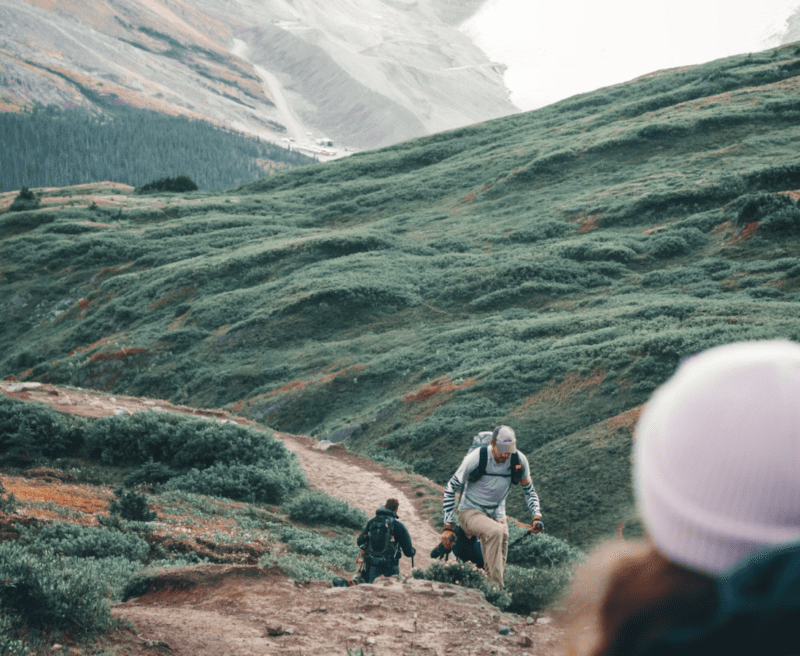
[(366, 485), (361, 482), (244, 610)]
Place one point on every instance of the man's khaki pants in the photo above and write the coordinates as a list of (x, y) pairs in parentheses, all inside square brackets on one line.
[(494, 540)]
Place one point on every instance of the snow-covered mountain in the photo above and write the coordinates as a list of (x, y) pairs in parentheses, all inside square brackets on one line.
[(362, 73)]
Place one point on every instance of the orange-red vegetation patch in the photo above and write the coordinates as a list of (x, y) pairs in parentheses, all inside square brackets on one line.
[(474, 194), (84, 303), (90, 347), (179, 321), (88, 500), (173, 522), (173, 296), (732, 281), (441, 386), (587, 223), (105, 372), (97, 225), (108, 270), (116, 355), (726, 232), (626, 419), (297, 385), (750, 230), (722, 228), (432, 395), (559, 393)]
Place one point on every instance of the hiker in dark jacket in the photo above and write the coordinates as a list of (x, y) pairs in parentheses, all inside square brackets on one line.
[(716, 465), (383, 539)]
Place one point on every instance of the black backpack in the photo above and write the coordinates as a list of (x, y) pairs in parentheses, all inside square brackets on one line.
[(516, 468), (381, 547)]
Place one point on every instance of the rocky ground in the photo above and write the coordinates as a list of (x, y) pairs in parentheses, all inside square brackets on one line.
[(239, 610)]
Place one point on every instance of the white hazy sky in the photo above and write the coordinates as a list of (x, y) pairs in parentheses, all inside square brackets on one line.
[(558, 48)]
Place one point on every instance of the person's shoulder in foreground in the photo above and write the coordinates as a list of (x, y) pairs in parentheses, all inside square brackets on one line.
[(716, 469)]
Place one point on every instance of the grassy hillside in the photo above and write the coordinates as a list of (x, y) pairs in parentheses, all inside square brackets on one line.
[(547, 270)]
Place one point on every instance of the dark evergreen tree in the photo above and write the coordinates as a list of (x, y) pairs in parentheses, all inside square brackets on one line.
[(25, 200)]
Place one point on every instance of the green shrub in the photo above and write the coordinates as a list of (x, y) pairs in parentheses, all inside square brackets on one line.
[(45, 589), (535, 589), (302, 568), (466, 575), (131, 506), (10, 644), (592, 251), (540, 551), (316, 507), (339, 552), (776, 214), (539, 231), (150, 473), (674, 243), (29, 431), (83, 541), (179, 441), (8, 504), (251, 483), (179, 184)]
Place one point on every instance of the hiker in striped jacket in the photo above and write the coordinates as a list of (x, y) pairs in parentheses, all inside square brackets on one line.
[(487, 479)]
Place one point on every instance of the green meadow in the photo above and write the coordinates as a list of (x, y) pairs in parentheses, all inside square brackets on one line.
[(547, 270)]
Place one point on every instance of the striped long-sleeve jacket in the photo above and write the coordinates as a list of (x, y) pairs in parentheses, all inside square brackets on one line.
[(489, 493)]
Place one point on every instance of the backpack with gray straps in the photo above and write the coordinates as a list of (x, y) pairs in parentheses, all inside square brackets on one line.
[(381, 547)]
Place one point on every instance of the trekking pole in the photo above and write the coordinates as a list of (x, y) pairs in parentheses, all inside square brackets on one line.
[(520, 539)]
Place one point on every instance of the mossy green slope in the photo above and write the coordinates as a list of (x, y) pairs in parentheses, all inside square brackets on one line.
[(547, 270)]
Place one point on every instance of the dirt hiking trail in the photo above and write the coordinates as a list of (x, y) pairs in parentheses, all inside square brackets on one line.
[(239, 610)]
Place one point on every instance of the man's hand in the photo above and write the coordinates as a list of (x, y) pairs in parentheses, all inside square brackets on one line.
[(537, 526), (448, 536)]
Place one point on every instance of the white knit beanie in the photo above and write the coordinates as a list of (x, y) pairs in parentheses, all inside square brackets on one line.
[(717, 455)]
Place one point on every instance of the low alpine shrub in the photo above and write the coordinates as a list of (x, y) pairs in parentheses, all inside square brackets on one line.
[(541, 551), (132, 506), (535, 589), (337, 553), (179, 184), (466, 575), (316, 507), (29, 431), (50, 590), (180, 442), (776, 214), (10, 644), (150, 473), (673, 243), (83, 541), (302, 568), (8, 504), (251, 483)]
